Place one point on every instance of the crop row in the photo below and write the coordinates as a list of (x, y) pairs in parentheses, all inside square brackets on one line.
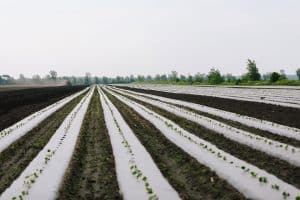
[(48, 167), (245, 177), (14, 132), (272, 127), (283, 97), (275, 148)]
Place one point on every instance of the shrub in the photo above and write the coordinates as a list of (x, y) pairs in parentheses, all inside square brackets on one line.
[(274, 77)]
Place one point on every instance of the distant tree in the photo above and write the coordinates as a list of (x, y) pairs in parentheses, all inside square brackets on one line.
[(149, 78), (36, 78), (131, 78), (140, 78), (230, 78), (199, 77), (252, 74), (87, 78), (105, 80), (1, 80), (163, 77), (298, 73), (214, 76), (119, 79), (190, 79), (53, 74), (22, 78), (126, 79), (266, 76), (182, 78), (47, 77), (68, 83), (73, 80), (274, 77), (157, 77), (238, 81), (173, 76), (244, 78), (282, 75), (97, 80)]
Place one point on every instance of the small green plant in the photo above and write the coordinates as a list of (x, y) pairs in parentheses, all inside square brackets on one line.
[(275, 186), (253, 174), (149, 190), (263, 179), (285, 195)]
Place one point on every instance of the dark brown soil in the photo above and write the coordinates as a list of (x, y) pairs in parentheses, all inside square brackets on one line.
[(18, 155), (18, 104), (279, 114), (91, 173), (191, 179)]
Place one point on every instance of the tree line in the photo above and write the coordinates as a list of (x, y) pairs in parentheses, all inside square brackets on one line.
[(214, 76)]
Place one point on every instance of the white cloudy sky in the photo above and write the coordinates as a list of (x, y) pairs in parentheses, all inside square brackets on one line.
[(122, 37)]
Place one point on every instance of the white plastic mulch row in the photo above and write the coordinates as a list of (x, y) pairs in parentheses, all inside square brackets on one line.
[(280, 150), (251, 181), (272, 127), (282, 97), (42, 177), (138, 176), (14, 132)]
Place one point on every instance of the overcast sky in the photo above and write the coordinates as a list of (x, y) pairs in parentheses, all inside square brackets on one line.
[(123, 37)]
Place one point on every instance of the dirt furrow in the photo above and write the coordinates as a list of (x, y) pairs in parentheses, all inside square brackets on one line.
[(283, 139), (91, 173), (191, 179), (278, 167), (279, 114)]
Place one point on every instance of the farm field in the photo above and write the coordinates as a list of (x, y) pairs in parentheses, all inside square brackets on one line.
[(286, 114), (17, 104), (286, 96), (150, 142)]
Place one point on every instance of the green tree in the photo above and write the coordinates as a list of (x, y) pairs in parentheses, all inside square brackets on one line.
[(53, 74), (266, 76), (132, 79), (157, 77), (87, 78), (149, 78), (282, 75), (22, 78), (199, 77), (182, 78), (141, 78), (298, 73), (274, 77), (214, 76), (163, 77), (190, 79), (252, 74), (230, 78), (105, 80), (97, 80), (174, 76)]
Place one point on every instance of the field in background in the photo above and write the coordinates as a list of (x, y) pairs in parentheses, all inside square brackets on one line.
[(18, 102)]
